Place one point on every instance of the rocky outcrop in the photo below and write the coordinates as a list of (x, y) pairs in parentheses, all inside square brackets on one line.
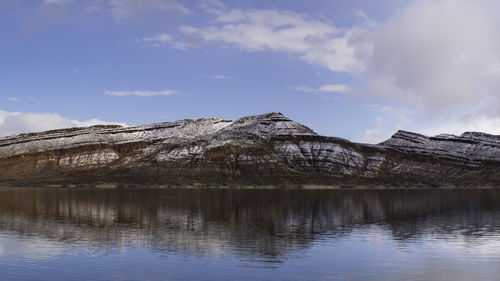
[(267, 149)]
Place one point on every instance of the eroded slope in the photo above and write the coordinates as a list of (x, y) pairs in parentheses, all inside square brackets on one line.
[(267, 149)]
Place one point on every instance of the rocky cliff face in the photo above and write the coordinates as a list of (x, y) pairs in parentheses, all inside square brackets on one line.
[(267, 149)]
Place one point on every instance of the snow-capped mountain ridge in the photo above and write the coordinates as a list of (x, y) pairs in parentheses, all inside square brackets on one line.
[(253, 150)]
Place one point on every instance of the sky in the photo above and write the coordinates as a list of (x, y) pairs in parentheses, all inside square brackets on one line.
[(356, 69)]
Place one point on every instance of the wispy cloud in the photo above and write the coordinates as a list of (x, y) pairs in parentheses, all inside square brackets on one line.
[(253, 30), (123, 9), (49, 2), (218, 77), (14, 99), (329, 88), (120, 10), (212, 6), (141, 93), (160, 37), (164, 39), (386, 122)]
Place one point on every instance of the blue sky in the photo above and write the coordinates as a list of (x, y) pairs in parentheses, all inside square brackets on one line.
[(354, 69)]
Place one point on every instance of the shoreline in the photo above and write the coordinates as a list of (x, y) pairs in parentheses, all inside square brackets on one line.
[(104, 186)]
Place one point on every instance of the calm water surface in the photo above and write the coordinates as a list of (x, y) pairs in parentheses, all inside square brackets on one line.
[(210, 234)]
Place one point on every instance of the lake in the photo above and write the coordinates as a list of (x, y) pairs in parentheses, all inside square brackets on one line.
[(233, 234)]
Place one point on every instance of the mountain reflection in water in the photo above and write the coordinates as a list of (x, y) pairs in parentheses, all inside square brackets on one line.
[(232, 234), (266, 224)]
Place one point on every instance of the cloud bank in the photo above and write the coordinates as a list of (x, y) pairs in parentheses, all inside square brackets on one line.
[(12, 123), (439, 62), (439, 55)]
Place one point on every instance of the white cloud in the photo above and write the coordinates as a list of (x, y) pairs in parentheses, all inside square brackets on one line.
[(440, 61), (15, 122), (5, 114), (14, 99), (329, 88), (141, 93), (437, 55), (487, 124), (377, 133), (338, 88), (33, 122), (160, 37), (95, 121), (218, 77), (386, 122), (390, 119), (325, 91), (213, 6), (259, 30), (123, 9), (304, 89), (364, 20)]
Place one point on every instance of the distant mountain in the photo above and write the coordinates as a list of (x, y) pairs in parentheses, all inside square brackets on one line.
[(267, 149)]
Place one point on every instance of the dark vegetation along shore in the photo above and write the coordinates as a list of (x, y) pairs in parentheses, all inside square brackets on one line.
[(264, 150)]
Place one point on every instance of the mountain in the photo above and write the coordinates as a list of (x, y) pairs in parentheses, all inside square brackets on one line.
[(262, 150)]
